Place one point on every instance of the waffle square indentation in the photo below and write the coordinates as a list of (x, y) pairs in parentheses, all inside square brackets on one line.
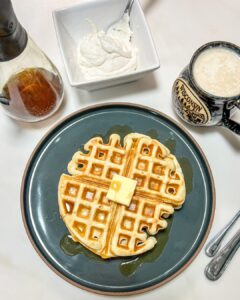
[(148, 210), (88, 194), (123, 241), (83, 211), (117, 158), (133, 207), (95, 233), (154, 184), (142, 165), (111, 172), (140, 179), (96, 169), (101, 216), (171, 189), (158, 169), (80, 228), (127, 223), (103, 199), (101, 154), (146, 150), (71, 189)]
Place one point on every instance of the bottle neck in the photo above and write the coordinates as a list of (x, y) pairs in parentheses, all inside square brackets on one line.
[(13, 37)]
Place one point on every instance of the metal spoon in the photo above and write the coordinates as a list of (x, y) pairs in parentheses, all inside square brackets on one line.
[(4, 100), (127, 10), (219, 263), (215, 243), (128, 7)]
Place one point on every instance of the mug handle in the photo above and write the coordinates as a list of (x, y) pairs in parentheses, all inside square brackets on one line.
[(227, 122)]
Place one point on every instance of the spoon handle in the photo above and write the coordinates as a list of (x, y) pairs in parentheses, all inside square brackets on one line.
[(128, 7), (215, 243), (4, 100), (219, 263)]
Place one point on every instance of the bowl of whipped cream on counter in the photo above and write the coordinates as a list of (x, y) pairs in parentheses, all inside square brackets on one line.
[(101, 46)]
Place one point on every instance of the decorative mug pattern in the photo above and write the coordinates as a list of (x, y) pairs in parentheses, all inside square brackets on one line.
[(189, 105)]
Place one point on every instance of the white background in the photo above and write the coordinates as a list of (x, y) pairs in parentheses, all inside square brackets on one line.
[(179, 28)]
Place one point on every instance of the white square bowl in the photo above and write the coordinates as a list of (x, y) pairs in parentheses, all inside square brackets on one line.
[(71, 26)]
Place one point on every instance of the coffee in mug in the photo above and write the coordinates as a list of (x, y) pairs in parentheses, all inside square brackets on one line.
[(207, 92)]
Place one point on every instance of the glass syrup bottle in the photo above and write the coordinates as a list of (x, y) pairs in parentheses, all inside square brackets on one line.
[(31, 88)]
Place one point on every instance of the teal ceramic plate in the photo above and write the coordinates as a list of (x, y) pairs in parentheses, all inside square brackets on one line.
[(177, 246)]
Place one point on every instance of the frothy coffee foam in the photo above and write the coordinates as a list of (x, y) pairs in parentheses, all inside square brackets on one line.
[(217, 71)]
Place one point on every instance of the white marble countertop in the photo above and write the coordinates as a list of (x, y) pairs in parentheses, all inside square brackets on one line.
[(179, 28)]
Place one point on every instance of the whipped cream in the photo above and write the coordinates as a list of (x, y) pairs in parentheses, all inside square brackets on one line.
[(107, 54)]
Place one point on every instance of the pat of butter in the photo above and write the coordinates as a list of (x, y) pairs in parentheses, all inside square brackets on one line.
[(121, 189)]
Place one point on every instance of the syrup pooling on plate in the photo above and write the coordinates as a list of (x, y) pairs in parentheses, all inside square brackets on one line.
[(171, 145), (71, 248), (188, 172), (127, 268)]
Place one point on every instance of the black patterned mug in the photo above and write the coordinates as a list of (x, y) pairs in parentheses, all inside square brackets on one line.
[(207, 92)]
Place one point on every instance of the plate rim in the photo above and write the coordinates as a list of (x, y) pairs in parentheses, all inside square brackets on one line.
[(106, 105)]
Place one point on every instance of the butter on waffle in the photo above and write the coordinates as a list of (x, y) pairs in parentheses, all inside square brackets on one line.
[(110, 229)]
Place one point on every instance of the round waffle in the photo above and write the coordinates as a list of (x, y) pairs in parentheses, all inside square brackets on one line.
[(110, 229)]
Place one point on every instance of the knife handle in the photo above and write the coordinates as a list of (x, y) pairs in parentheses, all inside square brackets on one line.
[(219, 263)]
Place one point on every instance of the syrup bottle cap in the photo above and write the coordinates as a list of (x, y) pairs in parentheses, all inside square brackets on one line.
[(13, 37)]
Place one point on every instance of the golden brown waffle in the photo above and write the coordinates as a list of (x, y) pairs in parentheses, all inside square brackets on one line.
[(105, 227)]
